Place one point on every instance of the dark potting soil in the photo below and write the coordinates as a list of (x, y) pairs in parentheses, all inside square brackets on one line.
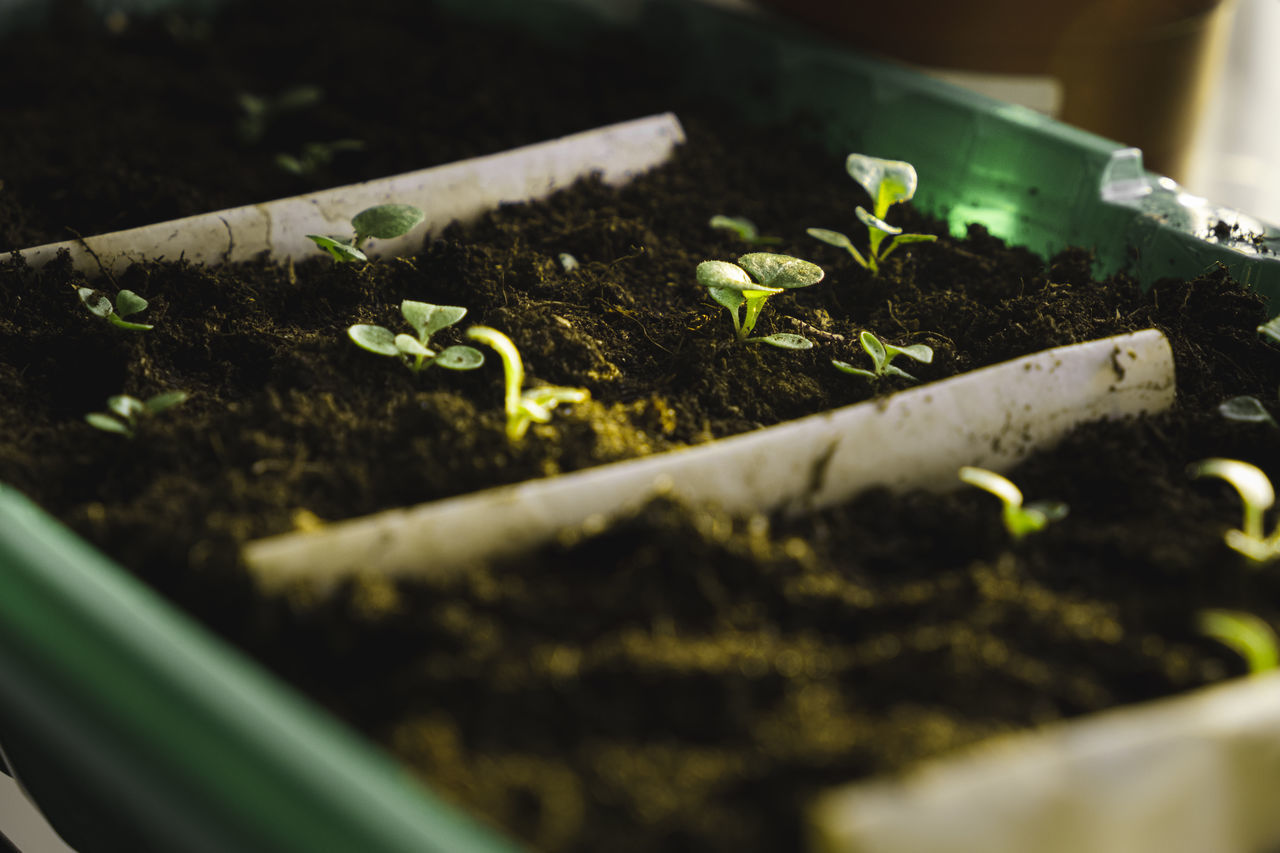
[(683, 680)]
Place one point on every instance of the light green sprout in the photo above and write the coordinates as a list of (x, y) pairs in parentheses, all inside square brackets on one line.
[(124, 412), (1271, 328), (127, 304), (523, 406), (426, 319), (1244, 633), (383, 221), (744, 228), (1257, 496), (888, 182), (732, 286), (1019, 520), (882, 356), (315, 156)]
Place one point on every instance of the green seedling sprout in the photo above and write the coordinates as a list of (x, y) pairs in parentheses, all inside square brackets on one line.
[(888, 182), (1019, 520), (1244, 633), (523, 406), (744, 228), (124, 412), (383, 221), (732, 286), (256, 111), (1257, 496), (315, 156), (127, 304), (426, 319), (882, 356)]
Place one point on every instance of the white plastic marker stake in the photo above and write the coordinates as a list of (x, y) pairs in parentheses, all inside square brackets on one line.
[(1189, 774), (457, 191), (916, 438)]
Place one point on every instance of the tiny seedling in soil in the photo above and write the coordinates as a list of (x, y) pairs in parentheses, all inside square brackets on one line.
[(523, 406), (1271, 329), (732, 286), (882, 356), (257, 111), (1019, 520), (123, 412), (426, 319), (744, 228), (888, 182), (127, 304), (1257, 496), (568, 262), (383, 221), (315, 156), (1246, 634)]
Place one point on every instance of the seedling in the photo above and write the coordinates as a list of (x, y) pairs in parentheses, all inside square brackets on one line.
[(426, 319), (1245, 633), (124, 412), (744, 228), (127, 304), (1257, 496), (256, 111), (882, 356), (888, 182), (523, 406), (383, 221), (1019, 520), (731, 285), (315, 156)]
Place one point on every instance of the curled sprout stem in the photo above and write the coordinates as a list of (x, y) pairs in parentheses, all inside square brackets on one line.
[(1257, 496), (523, 407), (1019, 520)]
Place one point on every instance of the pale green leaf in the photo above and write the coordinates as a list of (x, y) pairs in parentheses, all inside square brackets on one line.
[(385, 221), (166, 400), (728, 297), (460, 358), (888, 182), (375, 339), (128, 302), (341, 251), (922, 353), (1247, 409), (874, 222), (125, 406), (443, 317), (409, 345), (871, 346), (724, 275), (894, 370), (106, 423), (834, 238), (784, 340), (846, 367), (780, 271), (95, 300)]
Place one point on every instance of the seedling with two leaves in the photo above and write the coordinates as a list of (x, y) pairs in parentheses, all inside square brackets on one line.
[(124, 412), (888, 182), (733, 287), (1019, 520), (127, 304), (523, 406), (882, 356), (1257, 495), (426, 319), (383, 221)]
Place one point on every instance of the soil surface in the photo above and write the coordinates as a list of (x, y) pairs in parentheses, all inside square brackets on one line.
[(683, 680)]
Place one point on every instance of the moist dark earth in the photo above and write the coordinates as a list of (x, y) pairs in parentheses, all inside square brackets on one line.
[(684, 680)]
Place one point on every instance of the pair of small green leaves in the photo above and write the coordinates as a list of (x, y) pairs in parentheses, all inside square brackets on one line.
[(425, 319), (124, 412), (1257, 495), (1019, 520), (882, 356), (523, 406), (888, 182), (732, 286), (383, 221), (315, 156), (127, 304)]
